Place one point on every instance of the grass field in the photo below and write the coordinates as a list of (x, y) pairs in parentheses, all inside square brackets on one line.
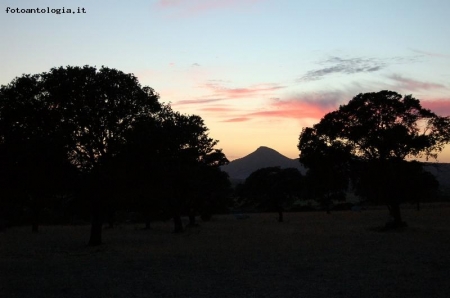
[(310, 255)]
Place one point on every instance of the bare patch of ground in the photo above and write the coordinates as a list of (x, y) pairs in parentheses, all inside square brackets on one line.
[(310, 255)]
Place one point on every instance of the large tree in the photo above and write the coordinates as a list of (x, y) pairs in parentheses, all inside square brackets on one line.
[(89, 112), (378, 132)]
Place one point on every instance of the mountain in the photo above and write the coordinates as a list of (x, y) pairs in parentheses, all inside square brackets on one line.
[(241, 168)]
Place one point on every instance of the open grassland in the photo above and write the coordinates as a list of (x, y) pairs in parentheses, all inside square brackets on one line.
[(310, 255)]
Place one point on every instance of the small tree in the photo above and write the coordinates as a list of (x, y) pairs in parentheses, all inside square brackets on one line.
[(273, 188), (375, 131)]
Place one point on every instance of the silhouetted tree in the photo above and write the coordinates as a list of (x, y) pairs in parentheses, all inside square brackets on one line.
[(273, 188), (327, 177), (166, 159), (375, 132), (90, 109), (33, 145)]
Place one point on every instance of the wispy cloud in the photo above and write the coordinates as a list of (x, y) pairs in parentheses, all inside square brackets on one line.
[(219, 90), (193, 7), (343, 66), (197, 101), (239, 119), (410, 85), (431, 54), (218, 109)]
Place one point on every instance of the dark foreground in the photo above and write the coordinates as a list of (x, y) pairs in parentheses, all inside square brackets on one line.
[(310, 255)]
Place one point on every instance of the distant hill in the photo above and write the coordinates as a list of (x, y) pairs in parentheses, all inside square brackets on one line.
[(241, 168), (442, 173)]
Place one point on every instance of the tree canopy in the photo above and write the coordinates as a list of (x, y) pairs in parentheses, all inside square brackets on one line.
[(104, 124)]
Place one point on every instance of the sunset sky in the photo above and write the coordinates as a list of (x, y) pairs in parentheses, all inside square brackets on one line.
[(256, 71)]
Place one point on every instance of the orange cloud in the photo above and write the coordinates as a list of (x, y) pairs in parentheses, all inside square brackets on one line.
[(218, 109)]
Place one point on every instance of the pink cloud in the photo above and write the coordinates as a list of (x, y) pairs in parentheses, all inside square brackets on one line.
[(309, 106), (440, 107), (168, 3), (305, 106), (192, 7), (413, 85)]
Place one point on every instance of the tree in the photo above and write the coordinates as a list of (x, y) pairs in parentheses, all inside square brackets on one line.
[(167, 161), (33, 146), (189, 154), (327, 178), (376, 133), (90, 110), (273, 188)]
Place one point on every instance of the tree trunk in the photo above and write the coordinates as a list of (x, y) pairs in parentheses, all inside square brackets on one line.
[(96, 224), (35, 214), (396, 214), (280, 216), (111, 218), (148, 225), (178, 225), (397, 222), (192, 220)]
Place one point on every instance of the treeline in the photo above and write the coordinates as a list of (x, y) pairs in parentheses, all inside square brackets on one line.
[(80, 142)]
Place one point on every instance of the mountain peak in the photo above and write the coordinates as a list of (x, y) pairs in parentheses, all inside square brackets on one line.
[(267, 149), (262, 157)]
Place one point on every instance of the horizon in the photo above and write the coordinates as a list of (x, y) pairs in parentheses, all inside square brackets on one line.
[(256, 71), (262, 146)]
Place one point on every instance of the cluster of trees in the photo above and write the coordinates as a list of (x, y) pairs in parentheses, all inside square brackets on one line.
[(369, 142), (99, 136)]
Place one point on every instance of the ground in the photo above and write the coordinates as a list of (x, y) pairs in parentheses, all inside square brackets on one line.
[(310, 255)]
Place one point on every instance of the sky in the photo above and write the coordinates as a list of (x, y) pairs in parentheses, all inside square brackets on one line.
[(256, 71)]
